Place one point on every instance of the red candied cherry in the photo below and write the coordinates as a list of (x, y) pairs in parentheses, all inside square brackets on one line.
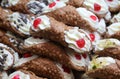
[(66, 69), (26, 55), (110, 0), (36, 22), (93, 17), (92, 36), (80, 43), (84, 55), (97, 7), (77, 56), (52, 4), (58, 0), (16, 77)]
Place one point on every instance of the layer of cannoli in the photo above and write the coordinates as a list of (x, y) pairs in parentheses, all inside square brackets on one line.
[(32, 6), (113, 5), (108, 47), (7, 57), (45, 48), (113, 31), (42, 67), (104, 68), (71, 37), (12, 41), (116, 18), (23, 74), (99, 7), (80, 17), (15, 22)]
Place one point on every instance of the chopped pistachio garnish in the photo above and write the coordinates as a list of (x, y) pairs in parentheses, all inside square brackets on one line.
[(107, 43)]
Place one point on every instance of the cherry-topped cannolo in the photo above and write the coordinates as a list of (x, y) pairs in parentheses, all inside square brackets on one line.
[(7, 57), (115, 18), (104, 68), (44, 67), (99, 7), (45, 48), (113, 31), (80, 17), (71, 37), (113, 5), (11, 40), (15, 22), (23, 74), (108, 47)]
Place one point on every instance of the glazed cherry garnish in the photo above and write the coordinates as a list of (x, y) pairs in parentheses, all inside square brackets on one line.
[(36, 22), (66, 69), (84, 55), (80, 43), (26, 55), (110, 0), (58, 0), (77, 56), (93, 17), (52, 4), (92, 36), (97, 7), (16, 77)]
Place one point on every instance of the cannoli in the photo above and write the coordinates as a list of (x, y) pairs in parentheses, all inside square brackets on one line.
[(7, 57), (23, 74), (104, 68), (45, 48), (113, 31), (99, 7), (45, 68), (113, 5), (12, 41), (80, 17), (115, 18), (15, 22), (108, 47), (71, 37)]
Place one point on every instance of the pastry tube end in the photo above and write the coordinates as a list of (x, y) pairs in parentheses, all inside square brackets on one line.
[(108, 47), (7, 56), (104, 67), (10, 40), (113, 31), (15, 22)]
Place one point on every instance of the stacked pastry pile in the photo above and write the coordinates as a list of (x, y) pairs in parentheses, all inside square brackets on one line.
[(48, 39)]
